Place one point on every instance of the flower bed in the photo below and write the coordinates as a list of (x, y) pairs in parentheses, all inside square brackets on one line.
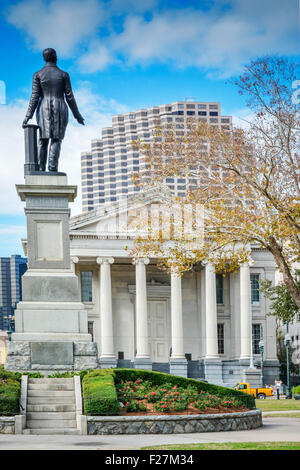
[(143, 397)]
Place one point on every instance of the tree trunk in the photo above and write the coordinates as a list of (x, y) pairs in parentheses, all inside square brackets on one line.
[(285, 270)]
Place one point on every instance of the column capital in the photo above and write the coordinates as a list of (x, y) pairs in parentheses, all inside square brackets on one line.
[(109, 260), (144, 261), (75, 259)]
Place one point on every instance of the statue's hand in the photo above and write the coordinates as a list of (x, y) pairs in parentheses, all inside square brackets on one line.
[(25, 122), (80, 120)]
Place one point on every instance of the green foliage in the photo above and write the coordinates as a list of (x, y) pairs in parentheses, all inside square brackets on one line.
[(33, 375), (10, 390), (135, 406), (296, 390), (6, 374), (161, 379), (282, 304), (99, 393)]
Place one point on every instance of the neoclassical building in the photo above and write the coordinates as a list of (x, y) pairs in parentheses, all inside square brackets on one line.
[(200, 325)]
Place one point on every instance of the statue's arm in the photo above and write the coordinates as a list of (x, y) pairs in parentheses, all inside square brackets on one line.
[(71, 99), (34, 99)]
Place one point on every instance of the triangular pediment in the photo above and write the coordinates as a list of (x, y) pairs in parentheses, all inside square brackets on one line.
[(123, 215)]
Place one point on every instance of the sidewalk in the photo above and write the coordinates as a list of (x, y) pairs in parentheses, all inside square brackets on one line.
[(274, 429)]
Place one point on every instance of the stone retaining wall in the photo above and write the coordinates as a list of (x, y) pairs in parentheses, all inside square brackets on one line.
[(7, 425), (174, 424)]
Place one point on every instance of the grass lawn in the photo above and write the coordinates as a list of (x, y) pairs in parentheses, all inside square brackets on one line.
[(283, 415), (278, 405), (231, 446)]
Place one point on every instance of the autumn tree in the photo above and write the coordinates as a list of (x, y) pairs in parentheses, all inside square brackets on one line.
[(246, 179)]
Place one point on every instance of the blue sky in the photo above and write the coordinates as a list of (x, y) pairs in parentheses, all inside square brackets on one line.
[(123, 55)]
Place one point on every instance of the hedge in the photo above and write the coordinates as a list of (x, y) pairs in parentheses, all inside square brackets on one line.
[(159, 378), (99, 393), (10, 391)]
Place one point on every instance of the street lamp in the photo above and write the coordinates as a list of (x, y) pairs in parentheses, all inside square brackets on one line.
[(261, 350), (287, 344)]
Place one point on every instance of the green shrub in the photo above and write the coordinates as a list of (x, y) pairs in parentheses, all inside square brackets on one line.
[(10, 390), (159, 378), (134, 406), (99, 393), (296, 390)]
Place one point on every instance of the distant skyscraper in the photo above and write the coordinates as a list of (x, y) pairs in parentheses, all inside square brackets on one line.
[(106, 170), (11, 271)]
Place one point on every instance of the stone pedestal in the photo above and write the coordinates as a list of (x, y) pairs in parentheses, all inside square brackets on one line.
[(252, 376), (178, 366), (51, 328), (213, 371)]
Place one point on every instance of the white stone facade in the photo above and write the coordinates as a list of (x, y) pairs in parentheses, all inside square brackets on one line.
[(141, 316)]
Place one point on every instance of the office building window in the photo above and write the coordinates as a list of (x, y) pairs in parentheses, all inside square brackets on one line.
[(221, 338), (255, 294), (86, 286), (219, 288)]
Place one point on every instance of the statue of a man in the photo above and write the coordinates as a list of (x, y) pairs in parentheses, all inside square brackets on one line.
[(50, 86)]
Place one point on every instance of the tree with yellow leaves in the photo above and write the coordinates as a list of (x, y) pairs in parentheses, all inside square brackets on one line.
[(247, 180)]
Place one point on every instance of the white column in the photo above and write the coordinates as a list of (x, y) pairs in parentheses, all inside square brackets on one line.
[(245, 310), (142, 346), (106, 321), (176, 317), (211, 313)]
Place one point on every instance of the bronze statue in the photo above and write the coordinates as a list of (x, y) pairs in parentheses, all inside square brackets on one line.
[(50, 86)]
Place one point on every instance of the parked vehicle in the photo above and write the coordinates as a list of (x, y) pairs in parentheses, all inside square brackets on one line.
[(260, 392)]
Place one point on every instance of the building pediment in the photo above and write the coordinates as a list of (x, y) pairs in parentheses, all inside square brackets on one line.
[(122, 216)]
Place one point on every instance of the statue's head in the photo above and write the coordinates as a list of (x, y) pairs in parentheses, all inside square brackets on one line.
[(49, 55)]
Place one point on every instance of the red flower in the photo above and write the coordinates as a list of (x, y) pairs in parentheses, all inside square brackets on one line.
[(153, 393)]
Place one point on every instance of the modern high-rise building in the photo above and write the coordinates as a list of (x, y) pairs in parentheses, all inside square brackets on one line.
[(11, 271), (106, 170)]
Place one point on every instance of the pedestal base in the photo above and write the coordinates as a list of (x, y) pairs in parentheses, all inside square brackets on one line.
[(143, 363), (178, 366), (51, 356), (213, 371), (107, 362), (252, 376)]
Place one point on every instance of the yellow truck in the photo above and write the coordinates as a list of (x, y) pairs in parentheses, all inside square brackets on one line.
[(260, 392)]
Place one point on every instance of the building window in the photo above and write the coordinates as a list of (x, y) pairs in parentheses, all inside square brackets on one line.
[(219, 289), (86, 286), (220, 338), (254, 279), (255, 338)]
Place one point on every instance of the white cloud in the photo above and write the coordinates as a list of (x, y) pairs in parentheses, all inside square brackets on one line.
[(215, 39), (219, 39), (58, 24), (97, 112), (97, 58)]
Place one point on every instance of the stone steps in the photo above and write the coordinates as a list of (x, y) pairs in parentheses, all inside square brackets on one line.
[(51, 415), (51, 407), (52, 431), (51, 381), (51, 400), (51, 423), (48, 408), (50, 393), (50, 387)]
